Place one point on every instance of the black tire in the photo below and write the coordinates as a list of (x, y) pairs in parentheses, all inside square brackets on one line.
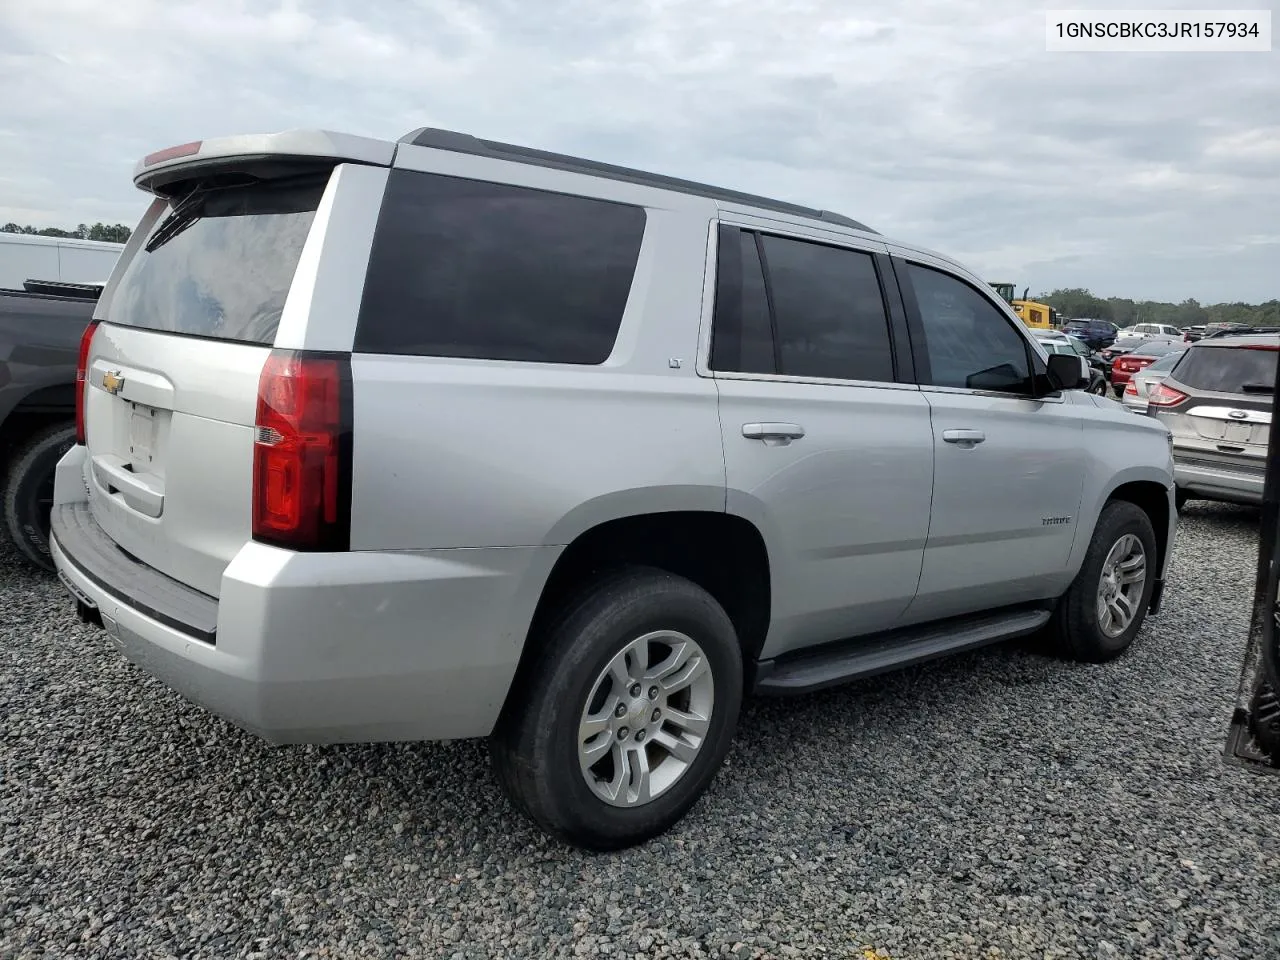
[(535, 745), (28, 491), (1075, 626), (1180, 498)]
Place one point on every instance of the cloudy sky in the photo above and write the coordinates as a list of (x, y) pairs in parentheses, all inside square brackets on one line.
[(944, 123)]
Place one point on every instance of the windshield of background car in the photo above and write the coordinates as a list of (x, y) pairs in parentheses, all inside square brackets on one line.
[(1079, 346), (1229, 369), (1128, 343), (1167, 362), (1157, 348)]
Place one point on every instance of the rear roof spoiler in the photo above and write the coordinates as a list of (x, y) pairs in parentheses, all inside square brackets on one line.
[(182, 162)]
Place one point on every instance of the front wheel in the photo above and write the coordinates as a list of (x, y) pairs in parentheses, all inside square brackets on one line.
[(1105, 606), (627, 714)]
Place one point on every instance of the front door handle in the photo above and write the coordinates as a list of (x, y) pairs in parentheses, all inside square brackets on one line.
[(773, 433), (964, 438)]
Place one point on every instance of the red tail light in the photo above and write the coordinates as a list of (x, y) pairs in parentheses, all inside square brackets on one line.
[(1131, 388), (302, 452), (82, 376), (1162, 396)]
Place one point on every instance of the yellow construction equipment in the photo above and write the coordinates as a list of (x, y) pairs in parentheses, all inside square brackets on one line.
[(1037, 315)]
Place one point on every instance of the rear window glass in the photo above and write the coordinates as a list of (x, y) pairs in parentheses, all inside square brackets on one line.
[(223, 266), (1167, 362), (1156, 348), (467, 268), (1228, 369)]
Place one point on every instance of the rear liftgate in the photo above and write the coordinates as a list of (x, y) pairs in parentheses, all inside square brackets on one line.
[(1253, 740)]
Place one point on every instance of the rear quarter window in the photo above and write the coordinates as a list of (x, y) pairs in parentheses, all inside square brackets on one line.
[(472, 269)]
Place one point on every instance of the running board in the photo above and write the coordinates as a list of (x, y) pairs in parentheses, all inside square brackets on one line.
[(838, 663)]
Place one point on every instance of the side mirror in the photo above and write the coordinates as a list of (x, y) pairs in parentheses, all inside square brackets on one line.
[(1066, 371)]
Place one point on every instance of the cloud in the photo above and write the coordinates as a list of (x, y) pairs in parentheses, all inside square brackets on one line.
[(1148, 175)]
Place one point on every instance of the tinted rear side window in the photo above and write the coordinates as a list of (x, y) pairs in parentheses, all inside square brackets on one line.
[(1228, 369), (829, 312), (222, 268), (465, 268)]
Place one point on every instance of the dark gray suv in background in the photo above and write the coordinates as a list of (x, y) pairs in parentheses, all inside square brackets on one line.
[(1217, 403)]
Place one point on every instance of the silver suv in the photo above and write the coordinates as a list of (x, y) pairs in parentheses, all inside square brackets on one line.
[(1217, 404), (448, 438)]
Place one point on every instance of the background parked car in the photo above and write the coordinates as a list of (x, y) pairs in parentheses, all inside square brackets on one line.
[(1154, 330), (1239, 330), (1193, 333), (1141, 383), (40, 330), (1055, 341), (1096, 333), (1217, 403), (1125, 345), (1147, 352)]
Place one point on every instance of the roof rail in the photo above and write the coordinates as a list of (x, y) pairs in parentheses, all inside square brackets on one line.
[(466, 143)]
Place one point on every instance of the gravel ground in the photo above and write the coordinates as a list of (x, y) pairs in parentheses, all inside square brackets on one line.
[(1000, 804)]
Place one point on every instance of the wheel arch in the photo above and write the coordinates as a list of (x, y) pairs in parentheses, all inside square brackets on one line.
[(34, 410), (1154, 498), (723, 553)]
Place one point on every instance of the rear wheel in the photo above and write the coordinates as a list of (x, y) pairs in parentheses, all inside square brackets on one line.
[(1106, 605), (28, 491), (629, 711)]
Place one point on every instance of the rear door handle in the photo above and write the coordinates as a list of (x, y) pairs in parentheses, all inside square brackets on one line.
[(964, 438), (780, 433)]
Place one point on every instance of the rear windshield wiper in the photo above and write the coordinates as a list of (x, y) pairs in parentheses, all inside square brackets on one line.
[(182, 216), (1258, 387)]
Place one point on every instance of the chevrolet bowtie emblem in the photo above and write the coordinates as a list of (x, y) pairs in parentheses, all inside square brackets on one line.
[(112, 381)]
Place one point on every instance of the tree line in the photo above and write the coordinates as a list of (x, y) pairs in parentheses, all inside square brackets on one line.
[(1077, 302), (110, 232)]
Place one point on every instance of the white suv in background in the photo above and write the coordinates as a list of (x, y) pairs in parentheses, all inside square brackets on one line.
[(1152, 330), (447, 438)]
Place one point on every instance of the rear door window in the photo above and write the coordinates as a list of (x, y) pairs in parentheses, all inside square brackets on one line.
[(468, 268), (798, 308), (829, 313), (1229, 369), (220, 264)]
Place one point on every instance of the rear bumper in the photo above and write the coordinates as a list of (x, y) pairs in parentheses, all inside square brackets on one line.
[(323, 648), (1217, 482)]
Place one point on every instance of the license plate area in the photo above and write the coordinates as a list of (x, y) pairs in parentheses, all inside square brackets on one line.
[(1237, 432), (142, 430)]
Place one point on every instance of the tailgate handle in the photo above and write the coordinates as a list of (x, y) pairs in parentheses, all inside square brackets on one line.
[(140, 491)]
